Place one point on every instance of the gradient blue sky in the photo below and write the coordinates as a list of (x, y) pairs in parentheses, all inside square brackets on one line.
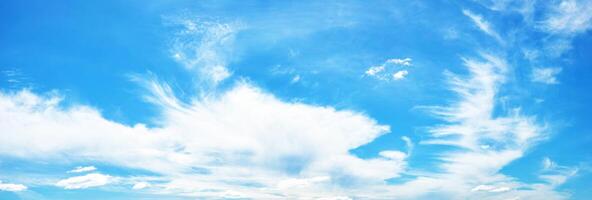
[(295, 99)]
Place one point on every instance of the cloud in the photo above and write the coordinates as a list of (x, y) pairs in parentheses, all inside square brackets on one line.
[(388, 70), (470, 125), (490, 188), (548, 164), (11, 187), (85, 181), (409, 144), (204, 46), (302, 182), (545, 75), (483, 25), (140, 185), (398, 61), (569, 17), (225, 144), (400, 74), (220, 142), (555, 174), (373, 71), (526, 8), (81, 169)]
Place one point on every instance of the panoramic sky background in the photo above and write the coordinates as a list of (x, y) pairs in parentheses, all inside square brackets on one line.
[(480, 99)]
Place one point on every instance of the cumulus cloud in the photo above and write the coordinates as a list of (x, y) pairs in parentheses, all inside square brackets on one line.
[(219, 142), (85, 181), (546, 75), (482, 24), (11, 187), (389, 69), (81, 169)]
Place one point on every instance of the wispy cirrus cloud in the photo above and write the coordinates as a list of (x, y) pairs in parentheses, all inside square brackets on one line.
[(483, 25), (486, 142), (546, 75), (204, 46), (568, 17)]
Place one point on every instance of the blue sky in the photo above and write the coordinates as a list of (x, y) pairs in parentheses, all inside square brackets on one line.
[(295, 99)]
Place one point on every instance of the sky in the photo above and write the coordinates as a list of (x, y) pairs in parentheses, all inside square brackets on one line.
[(476, 99)]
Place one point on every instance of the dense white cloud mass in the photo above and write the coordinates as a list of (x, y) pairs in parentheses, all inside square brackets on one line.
[(11, 187), (85, 181), (223, 142)]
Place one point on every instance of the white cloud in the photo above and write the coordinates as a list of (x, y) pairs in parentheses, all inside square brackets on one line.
[(218, 145), (302, 182), (569, 17), (398, 61), (524, 7), (400, 74), (489, 188), (85, 181), (205, 47), (81, 169), (471, 125), (393, 155), (221, 144), (11, 187), (388, 70), (216, 142), (483, 25), (555, 174), (408, 143), (140, 185), (545, 75), (373, 71)]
